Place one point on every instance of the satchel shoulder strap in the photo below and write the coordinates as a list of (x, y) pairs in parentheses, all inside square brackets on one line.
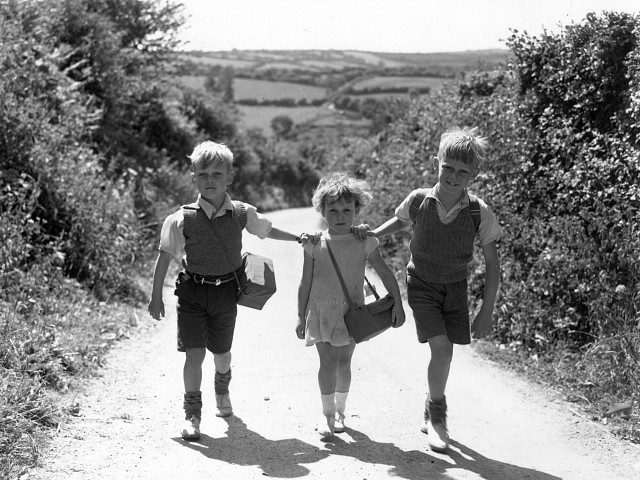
[(474, 210), (415, 204), (224, 248), (342, 284)]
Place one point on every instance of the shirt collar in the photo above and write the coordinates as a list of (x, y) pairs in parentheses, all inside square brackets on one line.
[(210, 210), (463, 202)]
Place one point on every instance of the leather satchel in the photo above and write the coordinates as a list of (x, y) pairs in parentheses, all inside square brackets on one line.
[(366, 321), (258, 281)]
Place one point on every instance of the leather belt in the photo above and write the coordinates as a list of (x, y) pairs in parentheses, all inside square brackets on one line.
[(210, 279)]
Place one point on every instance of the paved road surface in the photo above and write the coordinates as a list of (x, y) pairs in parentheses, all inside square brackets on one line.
[(501, 426)]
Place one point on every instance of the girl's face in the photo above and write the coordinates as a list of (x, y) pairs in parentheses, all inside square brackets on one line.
[(340, 215)]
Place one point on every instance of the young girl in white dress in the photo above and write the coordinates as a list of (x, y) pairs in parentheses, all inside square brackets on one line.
[(321, 301)]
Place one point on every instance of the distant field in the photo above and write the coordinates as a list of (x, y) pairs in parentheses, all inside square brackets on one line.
[(320, 65), (262, 89), (192, 81), (336, 120), (397, 81), (244, 88), (280, 65), (380, 95), (260, 117), (219, 61), (449, 62), (373, 59)]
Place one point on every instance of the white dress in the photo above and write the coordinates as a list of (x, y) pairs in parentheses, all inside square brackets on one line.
[(327, 304)]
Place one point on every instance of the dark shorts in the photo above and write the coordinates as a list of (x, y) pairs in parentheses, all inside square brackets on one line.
[(206, 314), (440, 309)]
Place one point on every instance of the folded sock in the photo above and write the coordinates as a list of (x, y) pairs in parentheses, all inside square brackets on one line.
[(221, 384), (192, 404)]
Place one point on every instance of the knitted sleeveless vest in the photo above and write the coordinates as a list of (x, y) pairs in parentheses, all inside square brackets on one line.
[(440, 253), (213, 247)]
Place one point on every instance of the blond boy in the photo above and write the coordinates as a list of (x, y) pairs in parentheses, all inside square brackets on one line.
[(207, 236), (445, 220)]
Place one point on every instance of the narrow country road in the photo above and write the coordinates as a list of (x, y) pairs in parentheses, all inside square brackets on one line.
[(502, 427)]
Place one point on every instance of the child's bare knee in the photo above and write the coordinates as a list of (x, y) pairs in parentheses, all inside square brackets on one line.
[(195, 355)]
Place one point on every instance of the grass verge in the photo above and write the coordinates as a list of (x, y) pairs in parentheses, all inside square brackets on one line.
[(48, 341), (571, 374)]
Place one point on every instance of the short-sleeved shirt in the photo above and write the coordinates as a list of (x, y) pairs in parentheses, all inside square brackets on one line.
[(172, 237), (489, 229)]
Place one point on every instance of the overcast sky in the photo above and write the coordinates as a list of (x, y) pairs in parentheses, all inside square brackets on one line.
[(377, 25)]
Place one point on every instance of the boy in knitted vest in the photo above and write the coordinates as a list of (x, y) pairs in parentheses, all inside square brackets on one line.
[(207, 236), (445, 220)]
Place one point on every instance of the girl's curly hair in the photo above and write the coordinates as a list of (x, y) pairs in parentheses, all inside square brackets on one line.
[(341, 185)]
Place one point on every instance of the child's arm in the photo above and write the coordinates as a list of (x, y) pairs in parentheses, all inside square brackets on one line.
[(303, 294), (392, 225), (482, 324), (303, 238), (278, 234), (156, 306), (390, 283)]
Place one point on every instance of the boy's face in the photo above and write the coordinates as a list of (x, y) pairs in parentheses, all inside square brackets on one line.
[(454, 175), (340, 215), (212, 180)]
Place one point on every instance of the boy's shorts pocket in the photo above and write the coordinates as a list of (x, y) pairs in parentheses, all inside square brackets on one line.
[(182, 286)]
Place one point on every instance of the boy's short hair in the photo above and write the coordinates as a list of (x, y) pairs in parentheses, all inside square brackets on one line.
[(341, 185), (463, 144), (207, 153)]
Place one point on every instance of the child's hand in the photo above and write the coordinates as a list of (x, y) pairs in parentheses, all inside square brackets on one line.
[(482, 324), (362, 231), (300, 328), (312, 238), (156, 309), (397, 315)]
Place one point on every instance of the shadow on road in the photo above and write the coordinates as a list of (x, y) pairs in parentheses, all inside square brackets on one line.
[(276, 458), (420, 465), (284, 458)]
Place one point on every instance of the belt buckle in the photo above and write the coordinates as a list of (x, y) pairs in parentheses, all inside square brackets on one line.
[(217, 282)]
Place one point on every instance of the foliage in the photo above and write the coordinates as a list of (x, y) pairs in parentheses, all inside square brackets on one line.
[(281, 125), (70, 237)]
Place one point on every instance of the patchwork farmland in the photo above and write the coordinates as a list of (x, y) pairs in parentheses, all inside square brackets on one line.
[(359, 75)]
